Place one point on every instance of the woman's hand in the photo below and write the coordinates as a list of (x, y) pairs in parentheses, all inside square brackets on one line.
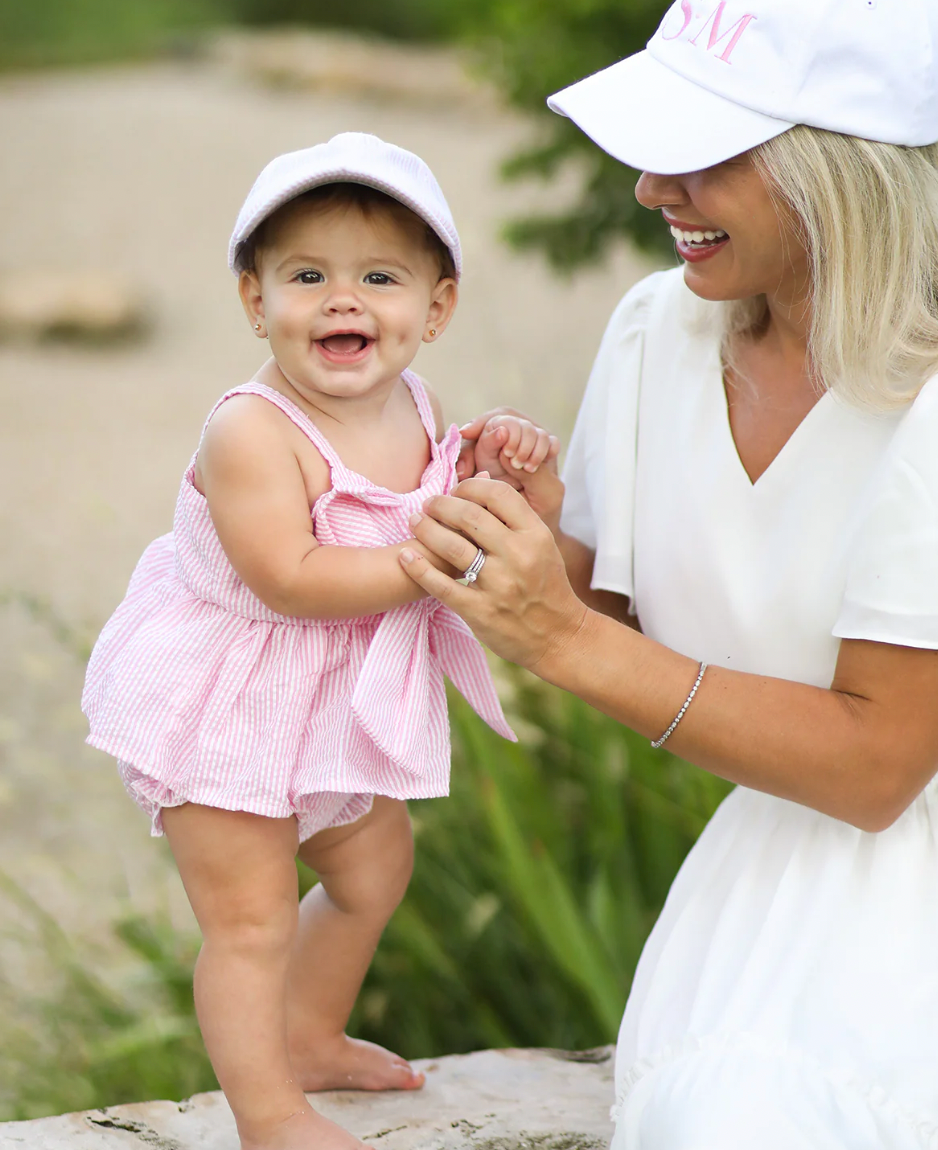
[(522, 605)]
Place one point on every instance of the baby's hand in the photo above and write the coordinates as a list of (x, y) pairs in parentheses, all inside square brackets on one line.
[(508, 446)]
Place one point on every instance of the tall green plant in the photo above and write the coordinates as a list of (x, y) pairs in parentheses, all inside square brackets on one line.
[(74, 1038), (536, 882)]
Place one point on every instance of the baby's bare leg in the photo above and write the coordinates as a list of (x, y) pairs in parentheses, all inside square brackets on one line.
[(363, 870), (239, 874)]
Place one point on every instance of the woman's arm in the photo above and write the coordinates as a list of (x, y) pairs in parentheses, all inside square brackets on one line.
[(578, 560), (859, 751), (259, 501)]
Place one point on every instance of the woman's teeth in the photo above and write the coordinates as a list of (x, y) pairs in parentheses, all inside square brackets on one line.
[(698, 237)]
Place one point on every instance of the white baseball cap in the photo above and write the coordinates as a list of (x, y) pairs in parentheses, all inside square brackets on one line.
[(349, 158), (721, 76)]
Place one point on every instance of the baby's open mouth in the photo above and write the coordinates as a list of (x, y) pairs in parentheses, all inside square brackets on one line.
[(346, 343)]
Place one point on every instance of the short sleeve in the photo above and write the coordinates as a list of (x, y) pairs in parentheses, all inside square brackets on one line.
[(891, 593), (599, 472)]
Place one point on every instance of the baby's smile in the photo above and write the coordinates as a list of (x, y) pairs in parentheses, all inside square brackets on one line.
[(345, 346)]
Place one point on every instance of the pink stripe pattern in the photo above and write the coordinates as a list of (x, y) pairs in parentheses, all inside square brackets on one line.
[(207, 695)]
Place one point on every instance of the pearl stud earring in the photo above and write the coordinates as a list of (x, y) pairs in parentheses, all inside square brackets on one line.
[(432, 332), (257, 326)]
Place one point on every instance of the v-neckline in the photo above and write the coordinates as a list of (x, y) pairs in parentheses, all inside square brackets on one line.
[(788, 448)]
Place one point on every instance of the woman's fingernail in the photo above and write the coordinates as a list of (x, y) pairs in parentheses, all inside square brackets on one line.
[(516, 465), (415, 519), (407, 556), (508, 452), (532, 467)]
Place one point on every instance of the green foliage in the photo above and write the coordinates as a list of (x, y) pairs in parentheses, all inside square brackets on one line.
[(536, 883), (49, 32), (403, 20), (533, 48), (535, 886), (83, 1041)]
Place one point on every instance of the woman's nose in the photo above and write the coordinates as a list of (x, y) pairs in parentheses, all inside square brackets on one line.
[(654, 191)]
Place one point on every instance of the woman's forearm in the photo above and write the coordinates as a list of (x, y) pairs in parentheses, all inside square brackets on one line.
[(819, 747)]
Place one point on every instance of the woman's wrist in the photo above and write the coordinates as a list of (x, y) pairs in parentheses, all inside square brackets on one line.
[(566, 646)]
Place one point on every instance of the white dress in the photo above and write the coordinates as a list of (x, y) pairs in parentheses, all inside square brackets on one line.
[(787, 998)]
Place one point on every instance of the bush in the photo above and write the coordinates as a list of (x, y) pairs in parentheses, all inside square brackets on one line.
[(532, 48), (50, 32)]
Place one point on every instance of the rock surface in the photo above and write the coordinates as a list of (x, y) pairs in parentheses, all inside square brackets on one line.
[(490, 1100), (79, 305)]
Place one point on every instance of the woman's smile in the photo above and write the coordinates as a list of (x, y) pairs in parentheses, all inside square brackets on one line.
[(696, 242)]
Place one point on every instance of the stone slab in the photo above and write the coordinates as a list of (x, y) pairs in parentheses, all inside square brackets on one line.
[(489, 1100)]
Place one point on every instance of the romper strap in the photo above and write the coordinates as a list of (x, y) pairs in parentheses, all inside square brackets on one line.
[(291, 411), (422, 400)]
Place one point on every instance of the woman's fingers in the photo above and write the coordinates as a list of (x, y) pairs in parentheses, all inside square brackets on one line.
[(434, 582), (466, 460), (450, 546), (481, 509)]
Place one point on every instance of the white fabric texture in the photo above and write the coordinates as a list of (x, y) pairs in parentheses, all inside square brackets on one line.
[(717, 78), (349, 158), (787, 998)]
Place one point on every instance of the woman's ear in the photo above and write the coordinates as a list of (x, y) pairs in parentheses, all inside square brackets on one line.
[(442, 305), (249, 289)]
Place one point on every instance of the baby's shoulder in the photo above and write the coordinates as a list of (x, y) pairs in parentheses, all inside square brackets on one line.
[(244, 424), (246, 435)]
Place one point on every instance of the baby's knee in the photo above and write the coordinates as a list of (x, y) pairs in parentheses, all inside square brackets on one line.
[(252, 926), (377, 867)]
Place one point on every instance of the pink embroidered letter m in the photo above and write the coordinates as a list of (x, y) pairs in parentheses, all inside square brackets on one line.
[(714, 22)]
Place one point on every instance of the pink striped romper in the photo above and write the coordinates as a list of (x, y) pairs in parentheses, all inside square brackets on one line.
[(204, 694)]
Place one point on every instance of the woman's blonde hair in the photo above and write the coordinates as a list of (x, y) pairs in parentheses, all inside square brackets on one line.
[(868, 216)]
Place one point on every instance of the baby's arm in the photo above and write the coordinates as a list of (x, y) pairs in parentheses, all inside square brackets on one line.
[(259, 503)]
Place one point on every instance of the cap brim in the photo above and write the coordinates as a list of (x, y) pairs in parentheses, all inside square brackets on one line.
[(651, 118)]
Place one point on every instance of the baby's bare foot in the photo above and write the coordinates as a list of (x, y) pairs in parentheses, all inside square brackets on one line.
[(306, 1130), (352, 1064)]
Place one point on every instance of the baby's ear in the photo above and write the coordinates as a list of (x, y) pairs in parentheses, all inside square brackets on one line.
[(249, 289)]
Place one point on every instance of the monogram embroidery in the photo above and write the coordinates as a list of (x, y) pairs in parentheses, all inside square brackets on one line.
[(714, 22)]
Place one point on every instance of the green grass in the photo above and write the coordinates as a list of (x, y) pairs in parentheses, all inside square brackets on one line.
[(535, 886)]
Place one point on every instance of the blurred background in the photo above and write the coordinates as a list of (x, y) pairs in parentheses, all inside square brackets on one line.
[(130, 132)]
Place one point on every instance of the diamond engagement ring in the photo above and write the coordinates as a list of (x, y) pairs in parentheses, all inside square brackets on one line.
[(472, 571)]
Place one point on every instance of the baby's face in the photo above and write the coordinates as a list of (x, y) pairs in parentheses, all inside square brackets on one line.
[(346, 298)]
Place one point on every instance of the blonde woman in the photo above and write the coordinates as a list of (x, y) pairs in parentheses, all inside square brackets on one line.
[(747, 566)]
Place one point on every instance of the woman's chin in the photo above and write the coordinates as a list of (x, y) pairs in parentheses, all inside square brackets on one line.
[(708, 284)]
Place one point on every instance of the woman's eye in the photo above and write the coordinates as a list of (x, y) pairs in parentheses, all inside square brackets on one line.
[(378, 278), (309, 277)]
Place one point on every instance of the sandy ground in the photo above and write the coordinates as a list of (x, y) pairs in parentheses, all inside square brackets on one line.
[(140, 171)]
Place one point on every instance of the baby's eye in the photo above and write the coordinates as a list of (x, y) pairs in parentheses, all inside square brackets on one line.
[(309, 277), (379, 278)]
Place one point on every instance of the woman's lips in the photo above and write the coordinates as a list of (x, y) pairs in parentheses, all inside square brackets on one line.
[(695, 253), (696, 242)]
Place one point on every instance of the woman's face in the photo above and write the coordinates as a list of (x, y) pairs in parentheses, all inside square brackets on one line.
[(735, 240)]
